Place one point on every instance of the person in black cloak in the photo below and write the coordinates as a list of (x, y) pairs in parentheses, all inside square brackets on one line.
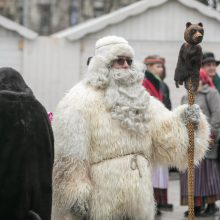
[(26, 152)]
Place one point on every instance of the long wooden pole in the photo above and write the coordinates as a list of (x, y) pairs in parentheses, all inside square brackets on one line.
[(191, 100)]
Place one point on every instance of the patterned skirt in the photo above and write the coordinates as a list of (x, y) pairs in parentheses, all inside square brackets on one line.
[(160, 196), (207, 183)]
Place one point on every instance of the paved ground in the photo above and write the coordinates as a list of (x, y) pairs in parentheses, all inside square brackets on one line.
[(174, 198)]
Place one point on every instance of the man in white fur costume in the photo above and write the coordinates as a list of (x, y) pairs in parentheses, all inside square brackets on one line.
[(109, 132)]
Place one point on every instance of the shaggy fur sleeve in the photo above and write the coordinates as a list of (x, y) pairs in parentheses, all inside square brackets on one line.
[(170, 137), (71, 182)]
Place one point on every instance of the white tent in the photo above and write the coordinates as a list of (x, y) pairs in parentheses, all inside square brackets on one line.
[(151, 27), (12, 37)]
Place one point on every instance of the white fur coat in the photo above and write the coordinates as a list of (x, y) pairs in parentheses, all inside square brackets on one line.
[(110, 167)]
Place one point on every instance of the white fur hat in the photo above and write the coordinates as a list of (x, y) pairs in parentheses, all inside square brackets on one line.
[(110, 47), (107, 49)]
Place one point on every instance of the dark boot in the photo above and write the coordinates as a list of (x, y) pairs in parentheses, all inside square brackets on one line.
[(197, 211), (211, 210), (158, 212), (167, 207)]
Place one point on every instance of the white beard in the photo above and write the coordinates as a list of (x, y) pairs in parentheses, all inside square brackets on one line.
[(127, 100)]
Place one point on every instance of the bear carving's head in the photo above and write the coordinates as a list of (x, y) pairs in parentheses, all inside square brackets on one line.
[(194, 33)]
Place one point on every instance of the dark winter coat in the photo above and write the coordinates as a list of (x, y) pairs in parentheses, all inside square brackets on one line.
[(216, 81), (26, 152), (209, 101), (166, 95)]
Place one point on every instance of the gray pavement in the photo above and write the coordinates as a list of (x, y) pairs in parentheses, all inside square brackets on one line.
[(178, 211)]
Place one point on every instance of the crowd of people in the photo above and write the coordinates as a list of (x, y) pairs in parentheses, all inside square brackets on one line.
[(115, 137), (207, 174)]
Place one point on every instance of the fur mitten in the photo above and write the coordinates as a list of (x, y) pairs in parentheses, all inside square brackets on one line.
[(191, 113)]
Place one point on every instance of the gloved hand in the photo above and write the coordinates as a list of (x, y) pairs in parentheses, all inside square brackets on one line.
[(191, 113), (80, 208), (81, 204)]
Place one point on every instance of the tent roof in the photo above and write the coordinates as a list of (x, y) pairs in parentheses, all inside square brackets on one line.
[(21, 30), (97, 24)]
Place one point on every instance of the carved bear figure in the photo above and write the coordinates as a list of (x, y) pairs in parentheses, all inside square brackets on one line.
[(190, 56)]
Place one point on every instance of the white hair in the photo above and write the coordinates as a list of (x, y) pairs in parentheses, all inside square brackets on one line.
[(125, 97)]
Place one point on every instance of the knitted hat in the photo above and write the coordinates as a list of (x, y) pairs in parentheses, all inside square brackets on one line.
[(111, 47)]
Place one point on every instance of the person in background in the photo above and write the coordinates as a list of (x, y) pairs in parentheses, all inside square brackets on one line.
[(155, 70), (88, 61), (26, 152), (207, 174), (165, 89), (209, 64)]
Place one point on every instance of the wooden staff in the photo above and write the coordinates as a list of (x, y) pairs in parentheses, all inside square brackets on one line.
[(191, 100), (187, 72)]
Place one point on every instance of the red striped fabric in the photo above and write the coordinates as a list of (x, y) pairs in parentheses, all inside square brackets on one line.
[(151, 89)]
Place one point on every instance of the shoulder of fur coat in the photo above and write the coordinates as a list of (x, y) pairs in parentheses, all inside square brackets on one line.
[(79, 97)]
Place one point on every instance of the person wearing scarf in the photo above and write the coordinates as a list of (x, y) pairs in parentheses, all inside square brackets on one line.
[(155, 86), (209, 64), (207, 174)]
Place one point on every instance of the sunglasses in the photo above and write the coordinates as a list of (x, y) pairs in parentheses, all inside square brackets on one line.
[(122, 60)]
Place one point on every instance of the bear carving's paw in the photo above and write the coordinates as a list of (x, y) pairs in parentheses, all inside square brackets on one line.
[(179, 83)]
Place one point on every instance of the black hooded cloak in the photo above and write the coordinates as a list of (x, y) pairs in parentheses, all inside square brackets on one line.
[(26, 152)]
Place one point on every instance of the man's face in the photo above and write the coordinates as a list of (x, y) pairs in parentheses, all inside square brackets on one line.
[(122, 63), (156, 69), (210, 68)]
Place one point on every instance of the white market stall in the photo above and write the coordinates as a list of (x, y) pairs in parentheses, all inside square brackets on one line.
[(151, 27)]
